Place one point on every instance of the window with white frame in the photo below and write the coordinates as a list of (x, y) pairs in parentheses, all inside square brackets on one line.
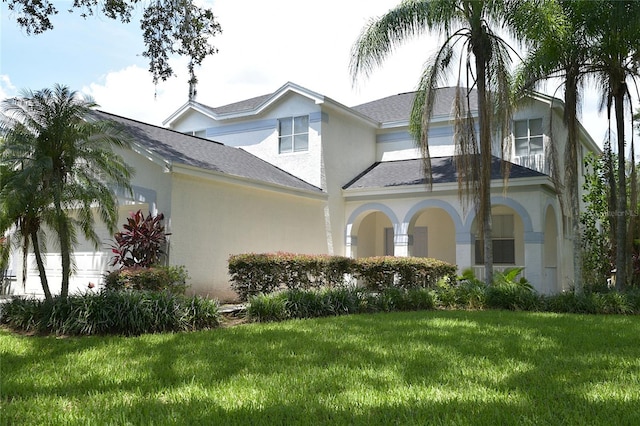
[(528, 136), (293, 134), (504, 247)]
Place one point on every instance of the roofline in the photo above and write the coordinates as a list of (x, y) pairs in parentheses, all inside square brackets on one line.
[(407, 190), (284, 89)]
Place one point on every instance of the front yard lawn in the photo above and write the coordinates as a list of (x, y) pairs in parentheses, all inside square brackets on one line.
[(431, 367)]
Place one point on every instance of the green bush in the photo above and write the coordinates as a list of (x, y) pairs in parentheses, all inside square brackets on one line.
[(508, 292), (157, 278), (611, 302), (379, 273), (252, 274), (112, 312), (467, 292)]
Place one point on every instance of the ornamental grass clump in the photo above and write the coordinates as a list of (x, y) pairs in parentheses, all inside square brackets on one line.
[(128, 313)]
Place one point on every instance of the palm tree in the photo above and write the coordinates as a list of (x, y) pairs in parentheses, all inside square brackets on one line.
[(63, 151), (467, 26), (22, 204), (560, 52), (614, 30)]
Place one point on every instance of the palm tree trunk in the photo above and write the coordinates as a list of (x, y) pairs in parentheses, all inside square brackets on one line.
[(65, 246), (612, 201), (571, 120), (621, 225), (633, 205), (25, 261), (484, 209), (41, 269)]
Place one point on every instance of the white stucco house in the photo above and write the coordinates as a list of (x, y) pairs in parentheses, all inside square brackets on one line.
[(296, 171)]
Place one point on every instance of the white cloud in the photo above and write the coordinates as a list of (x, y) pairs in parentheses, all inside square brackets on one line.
[(130, 92), (7, 89)]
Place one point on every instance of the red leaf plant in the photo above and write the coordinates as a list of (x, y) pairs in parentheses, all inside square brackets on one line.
[(142, 242)]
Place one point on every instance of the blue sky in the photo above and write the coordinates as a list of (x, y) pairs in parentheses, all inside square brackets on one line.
[(278, 41)]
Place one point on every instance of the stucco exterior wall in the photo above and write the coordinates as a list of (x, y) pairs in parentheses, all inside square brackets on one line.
[(212, 220), (398, 144), (347, 148)]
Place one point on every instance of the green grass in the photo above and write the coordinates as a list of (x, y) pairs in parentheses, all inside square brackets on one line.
[(442, 367)]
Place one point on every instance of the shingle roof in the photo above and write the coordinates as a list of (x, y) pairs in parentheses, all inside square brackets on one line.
[(240, 106), (189, 150), (387, 174), (398, 107)]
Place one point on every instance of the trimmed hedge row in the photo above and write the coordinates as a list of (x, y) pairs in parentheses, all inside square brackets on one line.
[(253, 274), (155, 278), (127, 313)]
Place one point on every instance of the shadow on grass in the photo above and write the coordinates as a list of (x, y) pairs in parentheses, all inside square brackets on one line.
[(401, 368)]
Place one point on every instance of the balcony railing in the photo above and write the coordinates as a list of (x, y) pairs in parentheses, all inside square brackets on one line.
[(535, 162)]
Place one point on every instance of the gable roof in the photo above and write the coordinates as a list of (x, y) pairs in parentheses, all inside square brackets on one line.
[(388, 174), (398, 107), (181, 149), (245, 107)]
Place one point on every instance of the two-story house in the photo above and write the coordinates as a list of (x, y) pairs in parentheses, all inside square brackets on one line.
[(296, 171)]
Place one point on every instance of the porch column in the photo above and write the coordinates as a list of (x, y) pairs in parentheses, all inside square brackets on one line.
[(350, 243), (533, 259), (401, 239), (401, 245), (464, 250)]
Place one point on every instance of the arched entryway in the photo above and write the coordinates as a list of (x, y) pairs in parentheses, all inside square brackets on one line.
[(370, 232), (432, 233)]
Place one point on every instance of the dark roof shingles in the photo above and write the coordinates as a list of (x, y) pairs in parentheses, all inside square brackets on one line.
[(189, 150), (387, 174), (398, 107)]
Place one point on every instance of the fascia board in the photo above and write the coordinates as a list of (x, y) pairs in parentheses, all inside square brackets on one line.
[(177, 114), (251, 183), (275, 96)]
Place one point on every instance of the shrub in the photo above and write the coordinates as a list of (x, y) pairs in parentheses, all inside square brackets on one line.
[(467, 292), (252, 274), (158, 278), (379, 273), (508, 293), (112, 312)]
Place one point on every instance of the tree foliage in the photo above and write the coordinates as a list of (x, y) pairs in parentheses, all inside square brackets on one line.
[(168, 27), (59, 169)]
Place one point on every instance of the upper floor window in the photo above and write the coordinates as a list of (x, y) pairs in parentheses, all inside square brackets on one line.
[(293, 134), (528, 137)]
